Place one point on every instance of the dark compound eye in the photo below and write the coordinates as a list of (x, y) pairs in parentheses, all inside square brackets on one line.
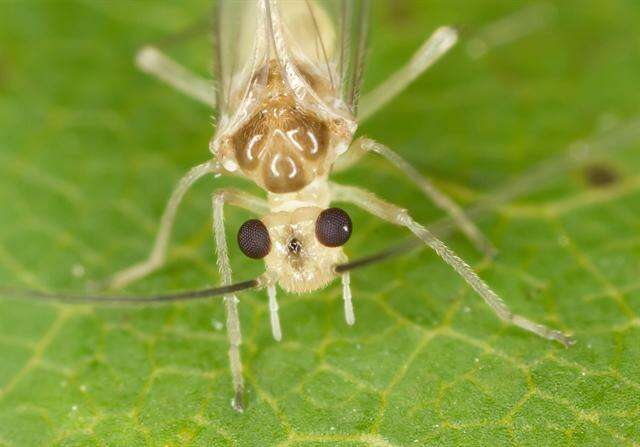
[(333, 227), (253, 239)]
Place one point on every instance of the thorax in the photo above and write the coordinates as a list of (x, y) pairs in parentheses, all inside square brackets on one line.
[(285, 143), (315, 194)]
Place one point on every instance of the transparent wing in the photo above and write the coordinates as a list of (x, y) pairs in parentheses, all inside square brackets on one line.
[(308, 40), (328, 38), (354, 32), (241, 53)]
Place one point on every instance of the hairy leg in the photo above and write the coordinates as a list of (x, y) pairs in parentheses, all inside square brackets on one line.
[(433, 49), (157, 257), (398, 216), (276, 330), (442, 201), (349, 315), (244, 200)]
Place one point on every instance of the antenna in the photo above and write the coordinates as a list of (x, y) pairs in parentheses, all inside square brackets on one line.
[(128, 299)]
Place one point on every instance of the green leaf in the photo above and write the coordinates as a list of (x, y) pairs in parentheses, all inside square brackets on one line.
[(90, 149)]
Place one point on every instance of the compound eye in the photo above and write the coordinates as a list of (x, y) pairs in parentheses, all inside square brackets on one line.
[(333, 227), (253, 239)]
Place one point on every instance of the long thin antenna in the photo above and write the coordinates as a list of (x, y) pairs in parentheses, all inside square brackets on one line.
[(390, 252), (10, 292)]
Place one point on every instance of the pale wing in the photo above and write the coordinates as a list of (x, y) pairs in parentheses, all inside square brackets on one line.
[(319, 46), (330, 37), (354, 37), (241, 43)]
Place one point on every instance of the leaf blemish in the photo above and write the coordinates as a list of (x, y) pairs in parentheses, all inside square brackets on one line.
[(599, 175)]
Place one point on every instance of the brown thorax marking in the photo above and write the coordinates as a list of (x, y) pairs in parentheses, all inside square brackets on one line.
[(284, 146)]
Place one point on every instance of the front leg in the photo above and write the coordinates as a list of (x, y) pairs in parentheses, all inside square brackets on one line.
[(365, 145), (398, 216), (251, 203), (349, 315)]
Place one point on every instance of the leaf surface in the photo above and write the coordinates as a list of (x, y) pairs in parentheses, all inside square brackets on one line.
[(90, 149)]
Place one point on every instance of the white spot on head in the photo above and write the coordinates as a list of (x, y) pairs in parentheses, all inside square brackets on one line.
[(314, 142), (291, 135), (217, 325), (254, 140), (274, 166), (294, 168)]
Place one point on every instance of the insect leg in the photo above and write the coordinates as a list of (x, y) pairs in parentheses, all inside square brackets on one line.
[(158, 253), (398, 216), (433, 49), (153, 61), (442, 201), (244, 200), (349, 316), (276, 331)]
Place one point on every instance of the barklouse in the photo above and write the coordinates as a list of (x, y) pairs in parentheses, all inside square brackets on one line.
[(288, 105), (288, 78)]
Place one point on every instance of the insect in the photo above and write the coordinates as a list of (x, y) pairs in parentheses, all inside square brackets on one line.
[(288, 76)]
